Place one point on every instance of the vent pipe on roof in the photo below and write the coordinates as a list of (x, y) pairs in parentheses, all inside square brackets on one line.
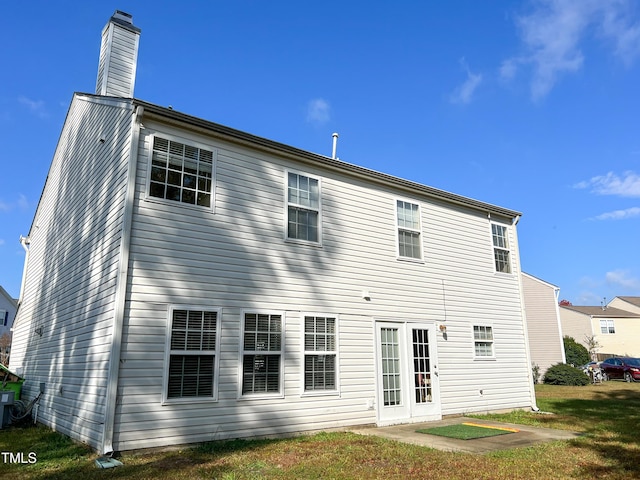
[(335, 145), (118, 56)]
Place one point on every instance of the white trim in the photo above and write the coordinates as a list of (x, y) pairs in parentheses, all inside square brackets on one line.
[(192, 143), (286, 208), (167, 355), (304, 353), (419, 230), (509, 249), (241, 353)]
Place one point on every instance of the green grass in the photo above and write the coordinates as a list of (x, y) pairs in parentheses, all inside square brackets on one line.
[(463, 432), (607, 414)]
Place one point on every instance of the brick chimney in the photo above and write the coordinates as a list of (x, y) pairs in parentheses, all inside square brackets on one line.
[(118, 56)]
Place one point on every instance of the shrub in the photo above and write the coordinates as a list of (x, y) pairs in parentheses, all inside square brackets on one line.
[(563, 374), (576, 354)]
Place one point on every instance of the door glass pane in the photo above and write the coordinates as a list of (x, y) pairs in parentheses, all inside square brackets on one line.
[(421, 366), (391, 387)]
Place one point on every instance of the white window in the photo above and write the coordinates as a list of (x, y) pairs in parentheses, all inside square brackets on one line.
[(262, 343), (607, 327), (303, 207), (320, 347), (483, 340), (192, 359), (181, 172), (409, 231), (4, 317), (501, 252)]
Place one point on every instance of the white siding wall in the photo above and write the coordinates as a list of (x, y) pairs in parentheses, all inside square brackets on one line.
[(71, 275), (543, 323), (236, 259)]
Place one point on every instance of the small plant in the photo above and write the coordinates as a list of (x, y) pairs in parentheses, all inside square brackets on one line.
[(535, 370), (563, 374)]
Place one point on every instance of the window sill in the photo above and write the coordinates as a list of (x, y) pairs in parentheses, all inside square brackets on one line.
[(320, 393), (484, 359), (260, 396), (410, 260), (307, 243), (188, 401)]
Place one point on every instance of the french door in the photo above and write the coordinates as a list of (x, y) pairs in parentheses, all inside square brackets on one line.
[(407, 373)]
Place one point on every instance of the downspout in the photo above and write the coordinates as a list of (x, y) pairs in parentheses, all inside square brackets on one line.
[(532, 390), (25, 242), (564, 354), (121, 287)]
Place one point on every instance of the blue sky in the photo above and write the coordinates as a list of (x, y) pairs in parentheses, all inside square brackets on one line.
[(530, 105)]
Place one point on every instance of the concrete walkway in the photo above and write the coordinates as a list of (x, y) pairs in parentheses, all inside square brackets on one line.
[(525, 437)]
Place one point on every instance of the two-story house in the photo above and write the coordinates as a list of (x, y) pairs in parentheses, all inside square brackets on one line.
[(187, 281)]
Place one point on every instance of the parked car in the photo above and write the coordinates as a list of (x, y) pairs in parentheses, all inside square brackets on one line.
[(625, 368)]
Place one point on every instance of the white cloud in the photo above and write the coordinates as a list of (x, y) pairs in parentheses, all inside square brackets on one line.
[(463, 94), (21, 203), (34, 106), (622, 279), (553, 33), (619, 214), (318, 111), (627, 185), (1, 241)]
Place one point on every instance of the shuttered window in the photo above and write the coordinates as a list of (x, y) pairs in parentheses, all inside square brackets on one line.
[(262, 354), (192, 354), (181, 172), (319, 353)]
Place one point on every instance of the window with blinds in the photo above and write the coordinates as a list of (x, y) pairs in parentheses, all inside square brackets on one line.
[(320, 369), (192, 354), (262, 354)]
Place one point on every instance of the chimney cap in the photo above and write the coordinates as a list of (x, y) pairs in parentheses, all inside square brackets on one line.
[(125, 20)]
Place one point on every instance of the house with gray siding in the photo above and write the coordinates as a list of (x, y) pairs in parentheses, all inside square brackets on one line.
[(543, 322), (187, 281)]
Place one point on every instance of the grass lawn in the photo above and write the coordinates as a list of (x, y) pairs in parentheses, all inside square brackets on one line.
[(608, 415)]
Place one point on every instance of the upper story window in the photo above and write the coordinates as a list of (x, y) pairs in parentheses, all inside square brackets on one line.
[(607, 326), (409, 231), (193, 344), (501, 251), (180, 172), (4, 318), (483, 340), (303, 207)]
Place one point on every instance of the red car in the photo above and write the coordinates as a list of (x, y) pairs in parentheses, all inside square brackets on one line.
[(625, 368)]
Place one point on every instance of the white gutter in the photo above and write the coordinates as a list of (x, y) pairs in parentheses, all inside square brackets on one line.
[(564, 354), (121, 287)]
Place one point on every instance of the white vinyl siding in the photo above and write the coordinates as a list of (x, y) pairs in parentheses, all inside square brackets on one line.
[(191, 354), (320, 347), (483, 341), (501, 251), (236, 260), (303, 207), (409, 230)]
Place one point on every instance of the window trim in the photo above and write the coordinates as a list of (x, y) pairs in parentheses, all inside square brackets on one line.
[(192, 143), (492, 341), (419, 230), (304, 353), (286, 208), (167, 356), (495, 248), (242, 352)]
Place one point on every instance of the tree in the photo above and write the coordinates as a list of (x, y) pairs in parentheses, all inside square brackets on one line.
[(576, 353), (592, 346), (565, 303), (5, 348)]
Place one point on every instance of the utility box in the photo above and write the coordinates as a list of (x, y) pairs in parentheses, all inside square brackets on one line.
[(7, 400), (10, 381)]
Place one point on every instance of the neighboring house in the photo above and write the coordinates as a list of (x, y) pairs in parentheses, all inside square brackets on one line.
[(189, 282), (630, 304), (543, 322), (616, 331), (8, 308)]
